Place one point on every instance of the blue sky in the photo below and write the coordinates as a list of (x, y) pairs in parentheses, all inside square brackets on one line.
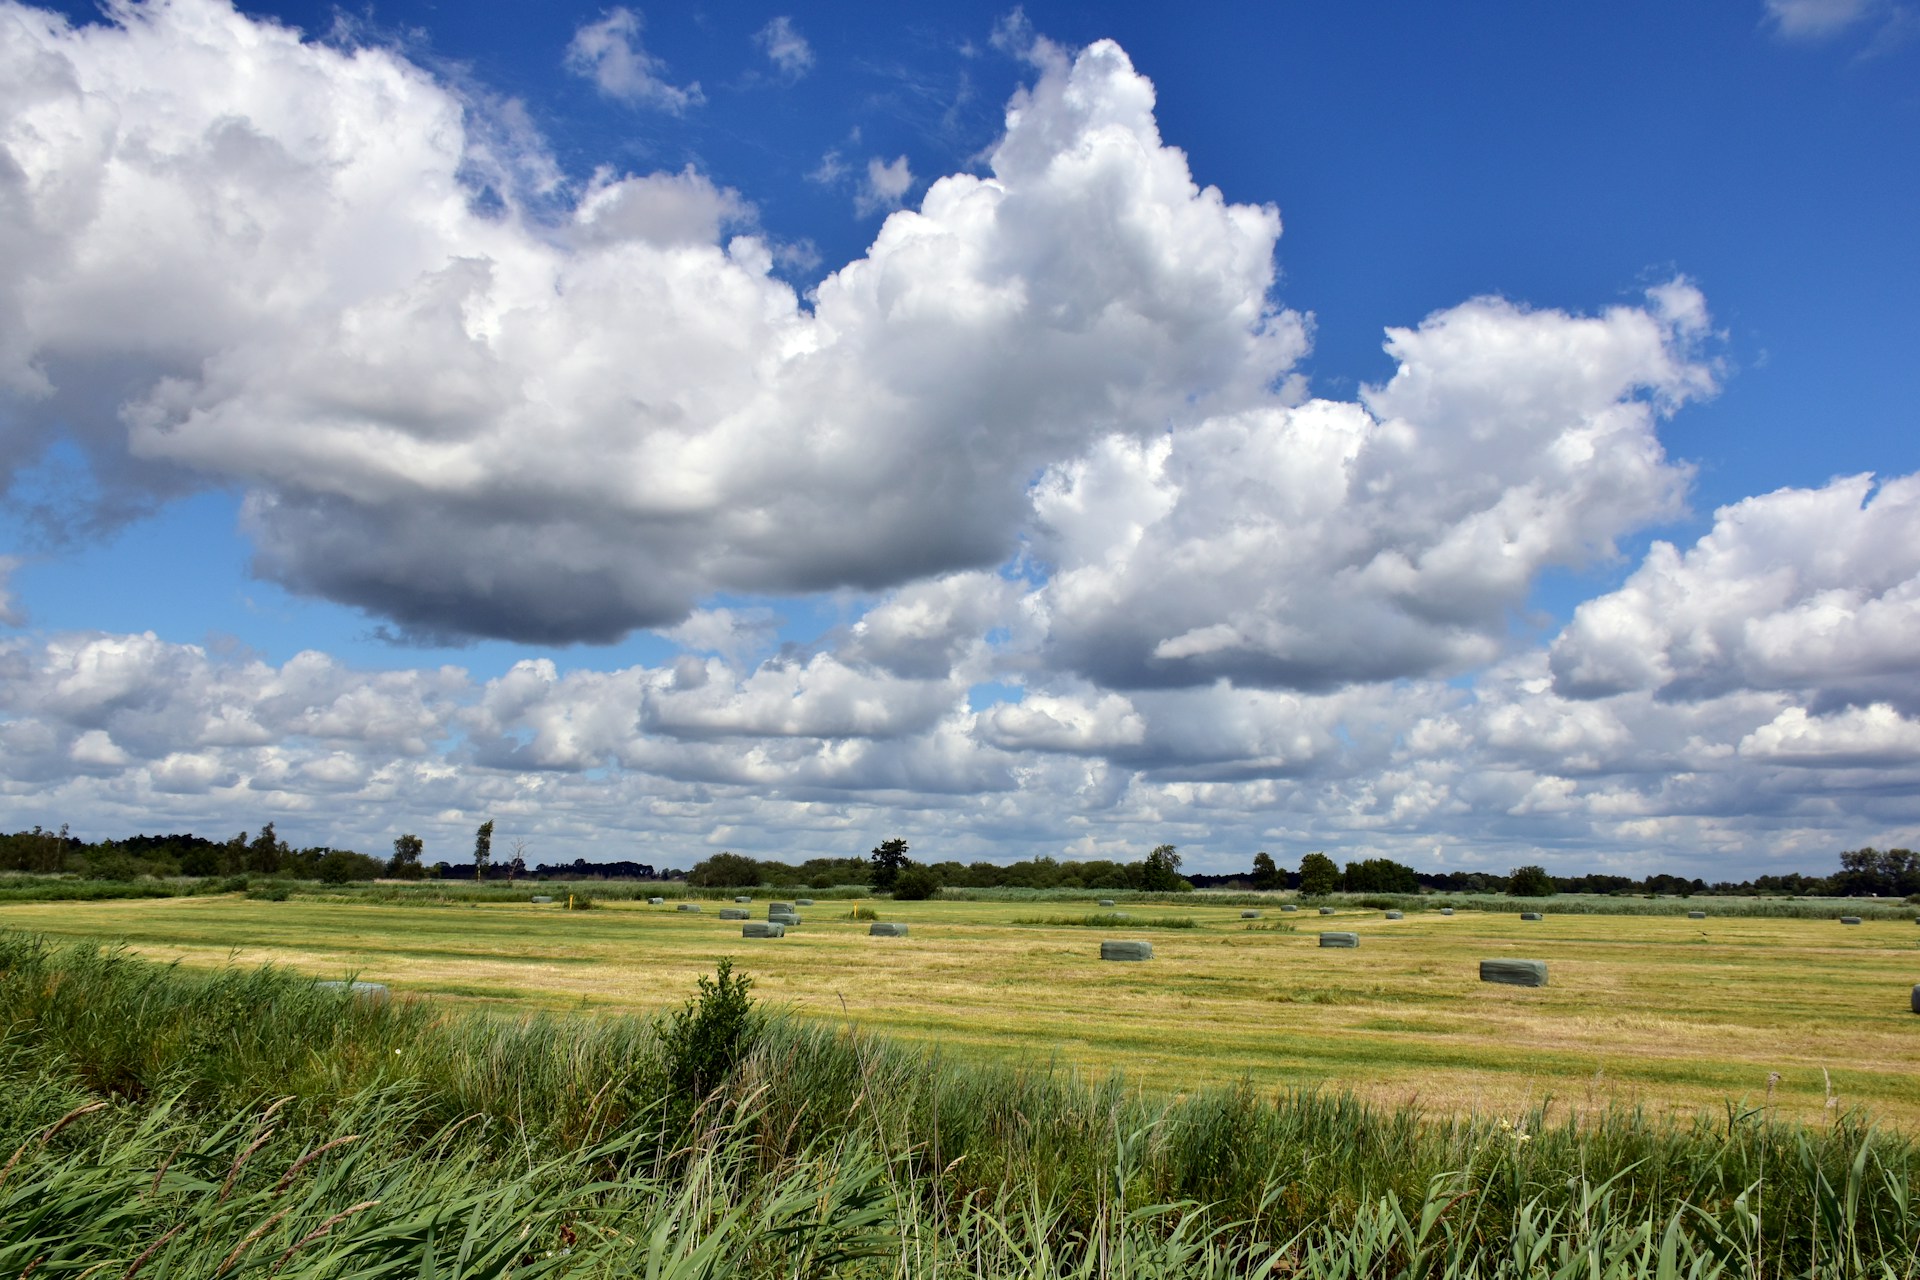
[(1732, 184)]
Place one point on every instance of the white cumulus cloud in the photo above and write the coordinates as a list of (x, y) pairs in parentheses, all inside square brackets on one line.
[(609, 53)]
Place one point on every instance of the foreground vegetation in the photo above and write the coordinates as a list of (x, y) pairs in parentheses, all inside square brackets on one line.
[(246, 1122)]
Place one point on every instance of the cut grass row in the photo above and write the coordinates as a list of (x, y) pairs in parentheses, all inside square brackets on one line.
[(535, 1145)]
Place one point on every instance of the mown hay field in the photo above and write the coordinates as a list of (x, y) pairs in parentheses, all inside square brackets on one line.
[(1810, 1016)]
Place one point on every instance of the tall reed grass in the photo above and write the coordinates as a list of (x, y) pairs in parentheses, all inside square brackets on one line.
[(299, 1131)]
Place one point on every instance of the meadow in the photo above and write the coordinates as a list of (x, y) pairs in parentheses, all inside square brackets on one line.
[(1797, 1014)]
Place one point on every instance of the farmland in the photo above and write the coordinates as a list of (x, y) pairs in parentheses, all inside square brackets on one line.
[(1804, 1015)]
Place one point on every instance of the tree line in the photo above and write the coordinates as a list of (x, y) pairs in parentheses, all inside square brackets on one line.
[(1865, 872)]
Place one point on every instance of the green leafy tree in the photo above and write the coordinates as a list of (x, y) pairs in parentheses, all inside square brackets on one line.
[(1380, 875), (1160, 873), (703, 1041), (405, 864), (1530, 882), (888, 860), (725, 871), (482, 849), (1318, 875), (266, 852), (1265, 874), (916, 884)]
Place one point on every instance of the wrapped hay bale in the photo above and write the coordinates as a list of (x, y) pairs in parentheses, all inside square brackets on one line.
[(803, 902), (375, 992), (1326, 911), (687, 906), (1249, 915), (787, 918), (785, 908), (1696, 915), (1532, 915), (655, 902), (541, 897), (1339, 939), (745, 897), (885, 929), (734, 913), (1106, 902), (1849, 919), (1114, 949), (1515, 973), (763, 929), (1396, 915), (1446, 911), (1289, 907)]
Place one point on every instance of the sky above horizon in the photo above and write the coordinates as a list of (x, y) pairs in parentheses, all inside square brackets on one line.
[(1474, 436)]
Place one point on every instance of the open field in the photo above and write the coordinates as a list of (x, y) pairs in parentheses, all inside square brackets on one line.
[(1659, 1011)]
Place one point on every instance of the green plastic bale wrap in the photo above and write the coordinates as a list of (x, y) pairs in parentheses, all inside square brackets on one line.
[(687, 906), (1106, 902), (1289, 907), (654, 902), (1326, 911), (787, 918), (1515, 973), (1696, 915), (1849, 919), (803, 902), (744, 898), (1532, 915), (1446, 911), (779, 909), (886, 929), (1396, 915), (540, 897), (1118, 949), (734, 913), (763, 929), (1249, 915), (1339, 939)]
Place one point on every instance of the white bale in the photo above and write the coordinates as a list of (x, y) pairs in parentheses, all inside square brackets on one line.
[(763, 929), (886, 929), (1515, 973), (1118, 949), (1339, 939)]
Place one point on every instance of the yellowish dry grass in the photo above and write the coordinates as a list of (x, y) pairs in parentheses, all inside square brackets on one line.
[(1658, 1011)]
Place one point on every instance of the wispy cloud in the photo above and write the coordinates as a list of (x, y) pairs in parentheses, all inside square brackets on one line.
[(886, 185), (785, 47), (609, 53)]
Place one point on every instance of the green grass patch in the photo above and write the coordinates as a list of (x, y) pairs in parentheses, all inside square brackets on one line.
[(1111, 920)]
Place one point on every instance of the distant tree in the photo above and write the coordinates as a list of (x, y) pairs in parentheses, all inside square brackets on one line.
[(406, 858), (1318, 875), (1380, 875), (482, 849), (518, 866), (1160, 873), (266, 852), (1265, 874), (915, 884), (725, 871), (888, 860), (1530, 882)]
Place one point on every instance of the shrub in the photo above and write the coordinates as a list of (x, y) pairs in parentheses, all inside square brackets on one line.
[(1531, 882), (915, 884), (701, 1042)]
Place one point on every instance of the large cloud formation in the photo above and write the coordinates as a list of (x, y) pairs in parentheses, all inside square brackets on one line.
[(1120, 579), (470, 419)]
